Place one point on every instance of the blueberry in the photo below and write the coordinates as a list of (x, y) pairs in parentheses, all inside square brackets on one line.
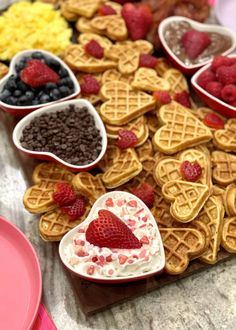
[(53, 64), (5, 94), (12, 100), (55, 94), (70, 83), (35, 102), (22, 86), (29, 95), (20, 66), (23, 100), (64, 90), (11, 84), (50, 86), (63, 73), (38, 56), (44, 98), (62, 82), (17, 93)]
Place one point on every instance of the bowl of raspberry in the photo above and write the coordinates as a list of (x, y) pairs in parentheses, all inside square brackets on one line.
[(215, 84), (36, 78), (189, 45), (70, 133)]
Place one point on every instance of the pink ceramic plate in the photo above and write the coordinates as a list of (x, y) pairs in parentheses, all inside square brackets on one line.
[(20, 278), (225, 13)]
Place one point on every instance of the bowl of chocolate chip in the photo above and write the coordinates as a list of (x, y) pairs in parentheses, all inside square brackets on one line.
[(189, 45), (70, 133), (36, 78)]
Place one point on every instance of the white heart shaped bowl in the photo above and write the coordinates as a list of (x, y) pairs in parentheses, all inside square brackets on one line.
[(213, 102), (17, 133), (191, 69), (155, 268), (24, 110)]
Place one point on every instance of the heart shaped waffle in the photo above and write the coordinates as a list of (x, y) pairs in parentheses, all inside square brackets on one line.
[(88, 185), (181, 129), (229, 198), (111, 155), (147, 79), (113, 74), (176, 80), (145, 150), (83, 25), (229, 235), (225, 139), (85, 8), (104, 42), (113, 26), (124, 104), (187, 198), (224, 167)]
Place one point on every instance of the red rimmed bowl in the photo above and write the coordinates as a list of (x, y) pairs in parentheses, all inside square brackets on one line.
[(212, 101), (138, 269), (24, 110), (17, 133), (202, 27)]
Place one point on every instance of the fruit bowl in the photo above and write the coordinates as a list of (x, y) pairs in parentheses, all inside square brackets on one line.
[(201, 27), (19, 110), (50, 156), (126, 269)]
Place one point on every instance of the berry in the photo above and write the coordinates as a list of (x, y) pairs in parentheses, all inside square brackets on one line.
[(226, 74), (147, 61), (214, 88), (205, 77), (190, 171), (183, 98), (77, 209), (94, 49), (146, 193), (162, 97), (106, 10), (63, 194), (111, 232), (228, 93), (122, 2), (126, 139), (90, 85), (37, 74), (195, 42), (219, 61), (214, 121), (138, 19)]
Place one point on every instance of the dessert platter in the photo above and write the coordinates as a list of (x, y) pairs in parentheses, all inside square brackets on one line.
[(128, 134)]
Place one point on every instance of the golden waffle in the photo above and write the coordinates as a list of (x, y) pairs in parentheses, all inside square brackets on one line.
[(116, 6), (65, 12), (104, 42), (181, 245), (224, 167), (92, 98), (85, 8), (123, 104), (225, 139), (113, 26), (212, 215), (218, 191), (162, 66), (153, 123), (147, 80), (76, 57), (88, 185), (3, 70), (229, 235), (111, 155), (187, 198), (113, 74), (229, 198), (181, 129), (124, 169), (176, 80), (145, 150), (83, 25)]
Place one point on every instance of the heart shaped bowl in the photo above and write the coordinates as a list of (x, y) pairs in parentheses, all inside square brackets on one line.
[(24, 110), (123, 265), (78, 103), (191, 69), (212, 101)]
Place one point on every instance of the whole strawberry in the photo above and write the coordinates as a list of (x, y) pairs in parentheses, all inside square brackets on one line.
[(64, 194), (183, 98), (146, 193), (195, 42), (94, 49), (162, 97), (147, 61), (90, 85), (190, 171), (126, 139)]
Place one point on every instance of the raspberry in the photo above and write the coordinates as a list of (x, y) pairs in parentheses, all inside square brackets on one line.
[(77, 209), (226, 74), (122, 2), (105, 10), (228, 94), (214, 121), (219, 61), (147, 61), (214, 88), (63, 194), (183, 98), (90, 85), (94, 49), (126, 139), (190, 171), (162, 97), (205, 77), (195, 42), (146, 193)]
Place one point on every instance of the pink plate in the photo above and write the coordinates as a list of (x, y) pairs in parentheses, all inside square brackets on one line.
[(20, 278)]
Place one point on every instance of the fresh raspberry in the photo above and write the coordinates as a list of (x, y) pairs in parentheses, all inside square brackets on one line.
[(94, 49), (77, 209), (126, 139), (190, 171), (205, 77), (183, 98), (226, 74), (228, 93), (36, 74), (219, 61), (122, 2), (214, 121), (233, 104), (138, 19), (147, 61), (90, 85), (214, 88), (105, 10), (195, 42), (63, 194), (146, 193), (111, 232), (162, 97)]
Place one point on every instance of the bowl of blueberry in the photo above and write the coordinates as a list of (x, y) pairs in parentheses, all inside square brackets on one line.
[(36, 79)]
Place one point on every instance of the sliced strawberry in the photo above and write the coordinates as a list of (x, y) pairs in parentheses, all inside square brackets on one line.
[(126, 139), (162, 97), (64, 194), (147, 61), (146, 193), (190, 171), (90, 85), (105, 10), (94, 49), (214, 121), (183, 98), (111, 232), (36, 74), (195, 42), (77, 209)]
